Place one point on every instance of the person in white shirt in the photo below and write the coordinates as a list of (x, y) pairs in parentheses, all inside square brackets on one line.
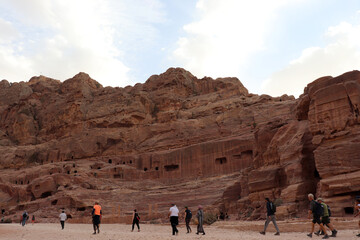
[(174, 218), (63, 218)]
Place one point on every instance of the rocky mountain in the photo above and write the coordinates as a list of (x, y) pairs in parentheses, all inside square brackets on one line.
[(176, 138)]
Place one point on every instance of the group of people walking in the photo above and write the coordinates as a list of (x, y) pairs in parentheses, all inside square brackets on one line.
[(173, 215), (319, 212), (174, 219), (96, 218)]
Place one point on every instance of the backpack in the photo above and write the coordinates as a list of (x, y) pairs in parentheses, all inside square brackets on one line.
[(273, 207), (318, 209), (329, 211), (189, 214), (24, 215)]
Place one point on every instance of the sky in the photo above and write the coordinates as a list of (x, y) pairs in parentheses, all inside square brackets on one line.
[(273, 47)]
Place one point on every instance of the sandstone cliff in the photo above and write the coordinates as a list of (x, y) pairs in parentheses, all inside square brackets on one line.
[(176, 138)]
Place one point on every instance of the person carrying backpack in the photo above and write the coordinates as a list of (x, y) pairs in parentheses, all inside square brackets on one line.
[(270, 216), (325, 219), (136, 220), (316, 210), (25, 217), (188, 216)]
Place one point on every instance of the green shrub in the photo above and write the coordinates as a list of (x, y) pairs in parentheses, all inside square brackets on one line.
[(209, 218), (278, 202)]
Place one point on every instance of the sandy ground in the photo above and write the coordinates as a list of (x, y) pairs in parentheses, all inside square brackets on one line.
[(221, 230)]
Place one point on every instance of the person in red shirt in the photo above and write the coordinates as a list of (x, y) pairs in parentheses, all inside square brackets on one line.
[(96, 217)]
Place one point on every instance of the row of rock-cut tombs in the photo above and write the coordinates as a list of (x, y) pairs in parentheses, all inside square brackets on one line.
[(103, 163)]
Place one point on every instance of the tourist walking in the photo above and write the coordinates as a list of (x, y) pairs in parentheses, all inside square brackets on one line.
[(33, 219), (325, 218), (174, 218), (200, 217), (96, 217), (63, 218), (25, 217), (188, 216), (316, 211), (270, 216), (136, 220), (357, 211)]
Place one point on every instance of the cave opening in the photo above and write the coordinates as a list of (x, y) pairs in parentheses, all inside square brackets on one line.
[(171, 167), (45, 194), (349, 210), (221, 160), (110, 161), (54, 202), (316, 174)]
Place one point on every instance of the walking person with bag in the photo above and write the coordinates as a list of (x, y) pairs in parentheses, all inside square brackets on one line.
[(316, 211), (325, 219), (25, 217), (136, 220), (188, 216), (270, 216)]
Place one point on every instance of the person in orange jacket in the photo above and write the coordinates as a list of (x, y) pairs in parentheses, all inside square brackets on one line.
[(96, 217)]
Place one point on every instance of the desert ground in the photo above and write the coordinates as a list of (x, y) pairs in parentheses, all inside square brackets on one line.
[(290, 229)]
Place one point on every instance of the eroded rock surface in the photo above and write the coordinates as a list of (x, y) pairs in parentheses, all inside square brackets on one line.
[(179, 139)]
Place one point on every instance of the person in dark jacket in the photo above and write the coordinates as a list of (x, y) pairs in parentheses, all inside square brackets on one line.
[(315, 212), (270, 216), (188, 216), (136, 220)]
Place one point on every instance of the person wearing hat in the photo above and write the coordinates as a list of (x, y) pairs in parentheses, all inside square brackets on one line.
[(270, 216), (325, 218), (316, 211), (200, 217)]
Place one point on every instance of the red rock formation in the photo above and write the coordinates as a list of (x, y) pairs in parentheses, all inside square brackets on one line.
[(175, 138)]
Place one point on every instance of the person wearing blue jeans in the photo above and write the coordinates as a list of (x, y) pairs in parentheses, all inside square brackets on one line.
[(270, 216)]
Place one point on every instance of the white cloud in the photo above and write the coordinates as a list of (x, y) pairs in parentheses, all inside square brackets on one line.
[(341, 55), (60, 38), (8, 32), (228, 33)]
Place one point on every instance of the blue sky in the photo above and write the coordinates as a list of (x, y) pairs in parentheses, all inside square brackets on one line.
[(272, 46)]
